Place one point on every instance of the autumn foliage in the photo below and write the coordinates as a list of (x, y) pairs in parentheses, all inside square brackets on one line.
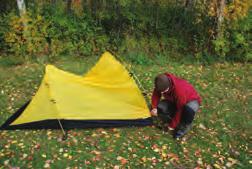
[(202, 29)]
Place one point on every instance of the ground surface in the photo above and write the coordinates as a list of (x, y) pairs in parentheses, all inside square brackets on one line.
[(221, 136)]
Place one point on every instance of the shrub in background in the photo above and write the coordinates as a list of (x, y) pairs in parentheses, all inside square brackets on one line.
[(165, 28)]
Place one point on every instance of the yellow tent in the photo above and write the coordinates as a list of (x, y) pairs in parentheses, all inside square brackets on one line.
[(105, 96)]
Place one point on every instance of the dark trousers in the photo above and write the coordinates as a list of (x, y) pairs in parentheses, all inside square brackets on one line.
[(167, 110)]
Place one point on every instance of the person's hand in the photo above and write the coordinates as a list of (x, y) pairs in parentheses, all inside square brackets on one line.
[(171, 129), (154, 112)]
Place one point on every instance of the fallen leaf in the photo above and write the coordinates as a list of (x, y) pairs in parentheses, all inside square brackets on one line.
[(144, 159), (30, 158), (123, 161), (208, 167), (164, 147), (199, 161), (116, 167), (37, 146), (104, 132), (47, 165), (201, 126), (87, 162), (25, 155), (232, 160), (14, 142), (75, 140), (96, 152), (6, 162), (94, 135), (173, 156), (217, 166), (154, 160), (167, 163), (65, 155), (119, 158), (117, 135), (164, 155), (229, 164), (20, 144)]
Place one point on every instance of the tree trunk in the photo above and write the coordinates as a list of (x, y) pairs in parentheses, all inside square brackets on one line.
[(189, 4), (68, 7), (21, 7), (93, 9), (220, 17), (157, 16), (54, 2)]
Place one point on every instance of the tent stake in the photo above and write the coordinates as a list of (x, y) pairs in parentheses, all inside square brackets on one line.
[(62, 129)]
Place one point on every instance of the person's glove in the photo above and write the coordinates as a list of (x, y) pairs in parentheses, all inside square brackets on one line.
[(154, 112)]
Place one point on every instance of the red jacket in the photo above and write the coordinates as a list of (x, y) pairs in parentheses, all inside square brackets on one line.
[(180, 93)]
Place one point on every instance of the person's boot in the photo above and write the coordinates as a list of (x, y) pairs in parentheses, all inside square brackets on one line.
[(181, 130)]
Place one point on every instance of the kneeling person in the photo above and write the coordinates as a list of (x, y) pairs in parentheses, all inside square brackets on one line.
[(178, 92)]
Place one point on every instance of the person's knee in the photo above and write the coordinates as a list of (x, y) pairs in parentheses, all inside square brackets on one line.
[(166, 110), (188, 114), (162, 106)]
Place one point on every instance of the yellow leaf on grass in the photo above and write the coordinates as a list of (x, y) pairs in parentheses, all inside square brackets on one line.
[(65, 155), (164, 147), (164, 155), (14, 142), (217, 166)]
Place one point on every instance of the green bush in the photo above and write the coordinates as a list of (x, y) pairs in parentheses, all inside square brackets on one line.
[(4, 27), (10, 61), (221, 46), (27, 36), (139, 58), (168, 28), (234, 44), (34, 36)]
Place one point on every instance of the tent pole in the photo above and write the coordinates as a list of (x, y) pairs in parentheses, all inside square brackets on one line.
[(129, 69), (62, 129), (133, 75), (138, 81)]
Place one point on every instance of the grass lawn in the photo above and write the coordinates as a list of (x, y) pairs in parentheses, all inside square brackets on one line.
[(220, 138)]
